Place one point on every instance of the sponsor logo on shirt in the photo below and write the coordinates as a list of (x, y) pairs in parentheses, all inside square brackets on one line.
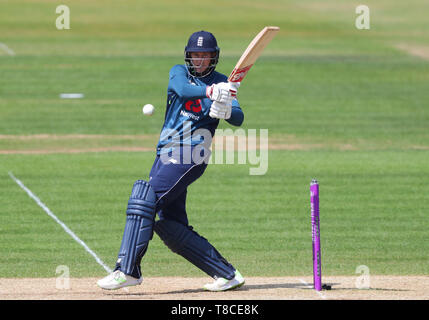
[(189, 115)]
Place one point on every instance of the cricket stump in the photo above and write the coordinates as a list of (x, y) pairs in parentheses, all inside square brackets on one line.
[(315, 231)]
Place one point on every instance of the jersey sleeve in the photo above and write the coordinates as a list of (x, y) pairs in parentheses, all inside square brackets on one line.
[(179, 84)]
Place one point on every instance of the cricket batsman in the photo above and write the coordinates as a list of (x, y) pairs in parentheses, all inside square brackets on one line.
[(198, 97)]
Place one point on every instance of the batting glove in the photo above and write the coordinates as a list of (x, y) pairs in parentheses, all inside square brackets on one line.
[(222, 92), (220, 110)]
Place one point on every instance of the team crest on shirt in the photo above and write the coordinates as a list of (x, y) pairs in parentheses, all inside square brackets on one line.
[(191, 108), (193, 105)]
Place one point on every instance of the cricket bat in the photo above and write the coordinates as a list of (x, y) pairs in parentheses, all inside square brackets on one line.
[(249, 56), (252, 53)]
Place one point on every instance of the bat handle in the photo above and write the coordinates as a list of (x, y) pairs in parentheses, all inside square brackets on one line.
[(234, 85)]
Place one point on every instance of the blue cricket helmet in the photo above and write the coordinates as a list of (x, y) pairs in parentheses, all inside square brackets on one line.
[(201, 41)]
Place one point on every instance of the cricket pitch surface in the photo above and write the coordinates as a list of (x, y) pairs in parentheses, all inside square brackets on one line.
[(255, 288)]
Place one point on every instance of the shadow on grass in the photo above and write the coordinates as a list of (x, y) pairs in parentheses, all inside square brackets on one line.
[(371, 289)]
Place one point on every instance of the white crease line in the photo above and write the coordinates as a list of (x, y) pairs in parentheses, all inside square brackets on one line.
[(8, 50), (311, 287), (66, 229)]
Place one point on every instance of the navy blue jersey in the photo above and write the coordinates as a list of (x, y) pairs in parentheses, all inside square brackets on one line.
[(188, 109)]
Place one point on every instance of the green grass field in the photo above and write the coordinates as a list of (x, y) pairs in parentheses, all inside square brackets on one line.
[(352, 102)]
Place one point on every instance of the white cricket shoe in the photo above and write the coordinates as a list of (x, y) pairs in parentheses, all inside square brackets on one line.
[(117, 280), (222, 284)]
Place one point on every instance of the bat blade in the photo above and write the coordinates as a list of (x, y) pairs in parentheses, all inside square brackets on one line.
[(252, 53)]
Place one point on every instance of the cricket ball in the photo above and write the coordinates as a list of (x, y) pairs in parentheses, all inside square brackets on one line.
[(148, 109)]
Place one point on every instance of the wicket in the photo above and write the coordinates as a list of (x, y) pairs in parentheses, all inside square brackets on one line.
[(315, 231)]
